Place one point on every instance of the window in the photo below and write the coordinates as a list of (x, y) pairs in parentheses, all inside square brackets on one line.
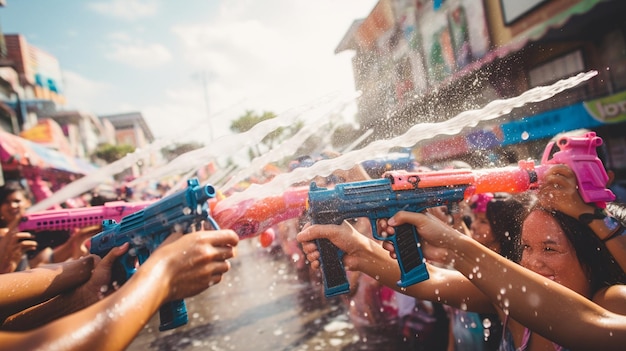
[(562, 67)]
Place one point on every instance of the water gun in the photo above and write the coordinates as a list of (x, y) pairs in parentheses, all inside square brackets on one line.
[(253, 217), (69, 219), (146, 229), (417, 191)]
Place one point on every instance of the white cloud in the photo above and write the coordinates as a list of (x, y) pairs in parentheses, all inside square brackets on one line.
[(136, 53), (262, 56), (126, 9), (273, 59), (82, 93)]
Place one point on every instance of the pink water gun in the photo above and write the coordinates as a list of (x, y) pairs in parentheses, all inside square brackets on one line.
[(577, 152), (68, 219)]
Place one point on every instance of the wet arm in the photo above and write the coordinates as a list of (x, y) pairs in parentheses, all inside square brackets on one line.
[(542, 305), (21, 290), (123, 314), (113, 322), (366, 255)]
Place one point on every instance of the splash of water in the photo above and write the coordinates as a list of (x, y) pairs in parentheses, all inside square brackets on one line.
[(311, 126), (228, 144), (182, 164), (104, 174), (415, 134)]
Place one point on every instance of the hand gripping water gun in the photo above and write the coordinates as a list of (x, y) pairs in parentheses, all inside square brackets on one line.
[(146, 229), (417, 191)]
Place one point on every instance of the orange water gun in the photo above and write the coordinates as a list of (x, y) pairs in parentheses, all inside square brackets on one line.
[(254, 217)]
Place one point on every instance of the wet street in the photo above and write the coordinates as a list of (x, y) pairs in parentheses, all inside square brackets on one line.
[(261, 304)]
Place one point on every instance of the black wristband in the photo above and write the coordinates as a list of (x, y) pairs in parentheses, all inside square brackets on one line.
[(587, 218)]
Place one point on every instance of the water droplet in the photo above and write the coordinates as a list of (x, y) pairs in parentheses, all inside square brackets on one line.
[(525, 135)]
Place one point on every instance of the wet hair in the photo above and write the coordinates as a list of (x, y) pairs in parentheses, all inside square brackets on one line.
[(505, 214), (600, 265)]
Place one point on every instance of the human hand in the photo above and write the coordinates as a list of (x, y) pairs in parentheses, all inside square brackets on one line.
[(191, 263), (345, 236), (78, 239), (100, 283), (13, 245), (559, 191), (437, 239)]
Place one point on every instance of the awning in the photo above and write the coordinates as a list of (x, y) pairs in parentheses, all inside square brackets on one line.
[(17, 152)]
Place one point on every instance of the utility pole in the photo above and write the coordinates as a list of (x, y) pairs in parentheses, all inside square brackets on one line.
[(205, 92)]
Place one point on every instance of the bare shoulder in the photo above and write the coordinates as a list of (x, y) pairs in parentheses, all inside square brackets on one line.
[(612, 298)]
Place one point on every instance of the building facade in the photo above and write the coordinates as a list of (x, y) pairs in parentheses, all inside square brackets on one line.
[(420, 61)]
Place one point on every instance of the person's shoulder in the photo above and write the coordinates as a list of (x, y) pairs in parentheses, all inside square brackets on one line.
[(612, 298)]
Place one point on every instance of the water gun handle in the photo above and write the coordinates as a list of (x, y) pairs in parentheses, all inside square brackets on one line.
[(331, 265), (580, 155), (409, 255), (172, 315)]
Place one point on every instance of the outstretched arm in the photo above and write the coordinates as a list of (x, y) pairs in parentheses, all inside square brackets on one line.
[(540, 304), (69, 301), (21, 290), (366, 255), (163, 277)]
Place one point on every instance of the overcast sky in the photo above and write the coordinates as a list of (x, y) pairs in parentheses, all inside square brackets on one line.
[(152, 56)]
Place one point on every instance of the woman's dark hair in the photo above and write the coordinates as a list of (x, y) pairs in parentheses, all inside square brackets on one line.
[(6, 190), (9, 188), (591, 252), (505, 215)]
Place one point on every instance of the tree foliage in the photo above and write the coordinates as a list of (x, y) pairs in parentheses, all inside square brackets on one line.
[(250, 118), (172, 151), (111, 153)]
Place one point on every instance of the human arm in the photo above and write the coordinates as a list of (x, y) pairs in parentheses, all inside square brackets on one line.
[(560, 192), (366, 255), (71, 300), (540, 304), (180, 267), (21, 290)]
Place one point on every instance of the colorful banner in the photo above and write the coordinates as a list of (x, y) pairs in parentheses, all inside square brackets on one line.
[(610, 109), (548, 124)]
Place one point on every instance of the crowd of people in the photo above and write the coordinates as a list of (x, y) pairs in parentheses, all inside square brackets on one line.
[(541, 270)]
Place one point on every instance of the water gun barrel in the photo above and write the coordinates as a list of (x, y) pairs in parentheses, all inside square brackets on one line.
[(506, 179), (251, 217)]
